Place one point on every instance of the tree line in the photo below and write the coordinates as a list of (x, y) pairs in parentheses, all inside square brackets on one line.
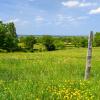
[(9, 41)]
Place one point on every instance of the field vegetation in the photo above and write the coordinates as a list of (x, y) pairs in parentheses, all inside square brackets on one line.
[(55, 75)]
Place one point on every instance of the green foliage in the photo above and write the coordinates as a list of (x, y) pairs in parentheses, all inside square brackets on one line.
[(3, 51), (76, 41), (59, 44), (8, 37), (39, 47), (67, 39), (29, 42), (83, 41), (11, 29), (97, 39), (2, 34), (48, 41)]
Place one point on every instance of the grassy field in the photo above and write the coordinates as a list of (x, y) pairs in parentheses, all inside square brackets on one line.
[(57, 75)]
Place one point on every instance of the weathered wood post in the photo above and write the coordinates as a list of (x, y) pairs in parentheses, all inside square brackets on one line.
[(89, 56)]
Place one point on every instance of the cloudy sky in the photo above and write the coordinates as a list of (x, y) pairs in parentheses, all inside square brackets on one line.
[(55, 17)]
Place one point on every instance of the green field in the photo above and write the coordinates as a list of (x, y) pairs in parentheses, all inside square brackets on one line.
[(56, 75)]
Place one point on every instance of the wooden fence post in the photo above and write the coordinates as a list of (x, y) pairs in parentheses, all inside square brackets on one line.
[(89, 56)]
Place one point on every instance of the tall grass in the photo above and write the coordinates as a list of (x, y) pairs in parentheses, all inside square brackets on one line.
[(57, 75)]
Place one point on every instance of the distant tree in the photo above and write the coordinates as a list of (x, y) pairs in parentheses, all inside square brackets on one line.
[(97, 39), (76, 41), (39, 39), (48, 41), (29, 42), (79, 41), (69, 39), (59, 44), (83, 41), (21, 39), (0, 22)]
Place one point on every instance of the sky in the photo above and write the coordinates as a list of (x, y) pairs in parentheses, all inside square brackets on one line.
[(52, 17)]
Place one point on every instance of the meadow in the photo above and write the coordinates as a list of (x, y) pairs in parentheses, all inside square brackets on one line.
[(56, 75)]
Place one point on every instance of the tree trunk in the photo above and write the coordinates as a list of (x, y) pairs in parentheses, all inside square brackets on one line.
[(89, 56)]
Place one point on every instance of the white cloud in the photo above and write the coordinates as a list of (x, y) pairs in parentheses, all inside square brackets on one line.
[(87, 4), (72, 4), (61, 19), (95, 11)]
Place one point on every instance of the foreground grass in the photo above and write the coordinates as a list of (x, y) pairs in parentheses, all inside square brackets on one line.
[(57, 75)]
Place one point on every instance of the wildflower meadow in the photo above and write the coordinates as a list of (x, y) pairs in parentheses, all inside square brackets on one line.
[(56, 75)]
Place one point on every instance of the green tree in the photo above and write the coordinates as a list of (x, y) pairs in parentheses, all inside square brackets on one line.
[(97, 39), (2, 34), (83, 41), (76, 41), (59, 44), (8, 37), (48, 41), (11, 29), (29, 42), (10, 43)]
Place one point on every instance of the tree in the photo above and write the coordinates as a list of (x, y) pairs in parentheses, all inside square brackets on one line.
[(8, 37), (10, 43), (59, 44), (2, 34), (83, 41), (97, 39), (29, 42), (11, 29), (48, 41), (76, 41)]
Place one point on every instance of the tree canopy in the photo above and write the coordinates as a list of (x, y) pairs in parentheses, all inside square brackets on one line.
[(8, 36), (97, 39)]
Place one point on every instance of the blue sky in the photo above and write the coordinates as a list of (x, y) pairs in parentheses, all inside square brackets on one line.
[(53, 17)]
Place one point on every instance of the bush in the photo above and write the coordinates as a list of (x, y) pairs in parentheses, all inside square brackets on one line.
[(48, 41), (3, 51)]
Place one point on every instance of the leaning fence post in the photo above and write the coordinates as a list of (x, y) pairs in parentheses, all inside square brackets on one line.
[(89, 56)]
